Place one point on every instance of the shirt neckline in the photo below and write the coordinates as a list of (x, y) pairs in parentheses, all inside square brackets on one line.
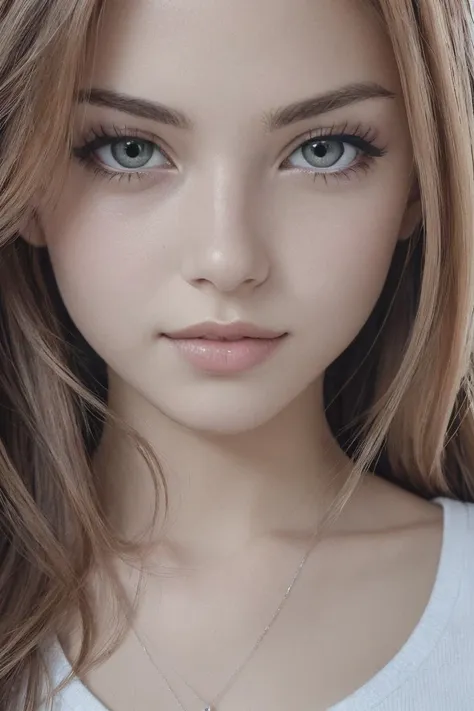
[(402, 665)]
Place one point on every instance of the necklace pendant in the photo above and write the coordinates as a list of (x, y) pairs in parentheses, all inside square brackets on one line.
[(208, 708)]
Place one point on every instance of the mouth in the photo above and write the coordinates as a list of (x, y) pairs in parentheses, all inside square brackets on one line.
[(221, 339), (225, 348), (235, 331)]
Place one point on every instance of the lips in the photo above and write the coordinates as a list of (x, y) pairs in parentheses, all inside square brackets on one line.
[(209, 337), (225, 349), (235, 331)]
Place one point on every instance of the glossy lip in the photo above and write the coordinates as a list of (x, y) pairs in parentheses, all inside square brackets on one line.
[(224, 331)]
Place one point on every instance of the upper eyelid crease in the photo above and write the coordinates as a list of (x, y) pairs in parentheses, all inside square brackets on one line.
[(272, 120)]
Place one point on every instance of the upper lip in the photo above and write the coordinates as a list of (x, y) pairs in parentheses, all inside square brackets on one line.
[(225, 331)]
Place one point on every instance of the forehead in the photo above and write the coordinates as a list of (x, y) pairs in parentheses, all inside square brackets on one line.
[(232, 54)]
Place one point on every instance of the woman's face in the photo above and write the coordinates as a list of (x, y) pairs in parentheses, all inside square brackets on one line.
[(250, 207)]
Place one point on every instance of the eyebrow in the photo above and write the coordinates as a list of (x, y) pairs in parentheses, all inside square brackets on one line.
[(272, 120)]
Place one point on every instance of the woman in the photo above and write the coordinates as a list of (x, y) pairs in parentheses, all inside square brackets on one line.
[(237, 291)]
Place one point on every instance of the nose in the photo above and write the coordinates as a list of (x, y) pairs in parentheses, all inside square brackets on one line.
[(223, 249)]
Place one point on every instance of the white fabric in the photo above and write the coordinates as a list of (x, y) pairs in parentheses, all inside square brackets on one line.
[(433, 671)]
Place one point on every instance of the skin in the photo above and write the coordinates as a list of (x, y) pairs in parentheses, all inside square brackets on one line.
[(223, 232)]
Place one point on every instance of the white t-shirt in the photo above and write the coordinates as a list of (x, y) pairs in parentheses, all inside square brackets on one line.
[(433, 671)]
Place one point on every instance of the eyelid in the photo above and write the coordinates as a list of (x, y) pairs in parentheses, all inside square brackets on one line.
[(120, 133), (368, 135)]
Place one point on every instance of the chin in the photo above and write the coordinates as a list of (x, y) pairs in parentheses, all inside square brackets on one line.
[(218, 406), (229, 416)]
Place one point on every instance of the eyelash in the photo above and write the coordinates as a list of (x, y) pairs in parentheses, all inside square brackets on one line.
[(363, 141)]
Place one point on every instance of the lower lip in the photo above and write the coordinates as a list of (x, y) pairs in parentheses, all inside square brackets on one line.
[(226, 356)]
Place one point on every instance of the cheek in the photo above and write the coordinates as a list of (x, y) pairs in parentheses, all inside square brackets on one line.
[(106, 273), (341, 261), (337, 265)]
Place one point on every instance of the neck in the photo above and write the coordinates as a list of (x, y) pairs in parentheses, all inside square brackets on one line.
[(224, 490)]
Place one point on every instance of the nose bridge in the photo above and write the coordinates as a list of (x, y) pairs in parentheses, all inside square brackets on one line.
[(224, 246)]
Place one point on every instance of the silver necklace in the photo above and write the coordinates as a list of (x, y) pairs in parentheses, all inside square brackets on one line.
[(212, 705)]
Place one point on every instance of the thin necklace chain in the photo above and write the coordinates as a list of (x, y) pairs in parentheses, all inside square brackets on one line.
[(211, 706)]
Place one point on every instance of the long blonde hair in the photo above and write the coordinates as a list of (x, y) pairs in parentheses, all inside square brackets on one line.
[(399, 399)]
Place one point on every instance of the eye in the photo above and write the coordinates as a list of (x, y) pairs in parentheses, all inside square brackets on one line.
[(131, 154), (123, 153), (324, 155)]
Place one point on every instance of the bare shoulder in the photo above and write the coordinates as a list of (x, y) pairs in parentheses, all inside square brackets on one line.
[(389, 529), (380, 506)]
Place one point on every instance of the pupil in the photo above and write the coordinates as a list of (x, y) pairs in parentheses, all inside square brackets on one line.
[(133, 149), (320, 150)]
